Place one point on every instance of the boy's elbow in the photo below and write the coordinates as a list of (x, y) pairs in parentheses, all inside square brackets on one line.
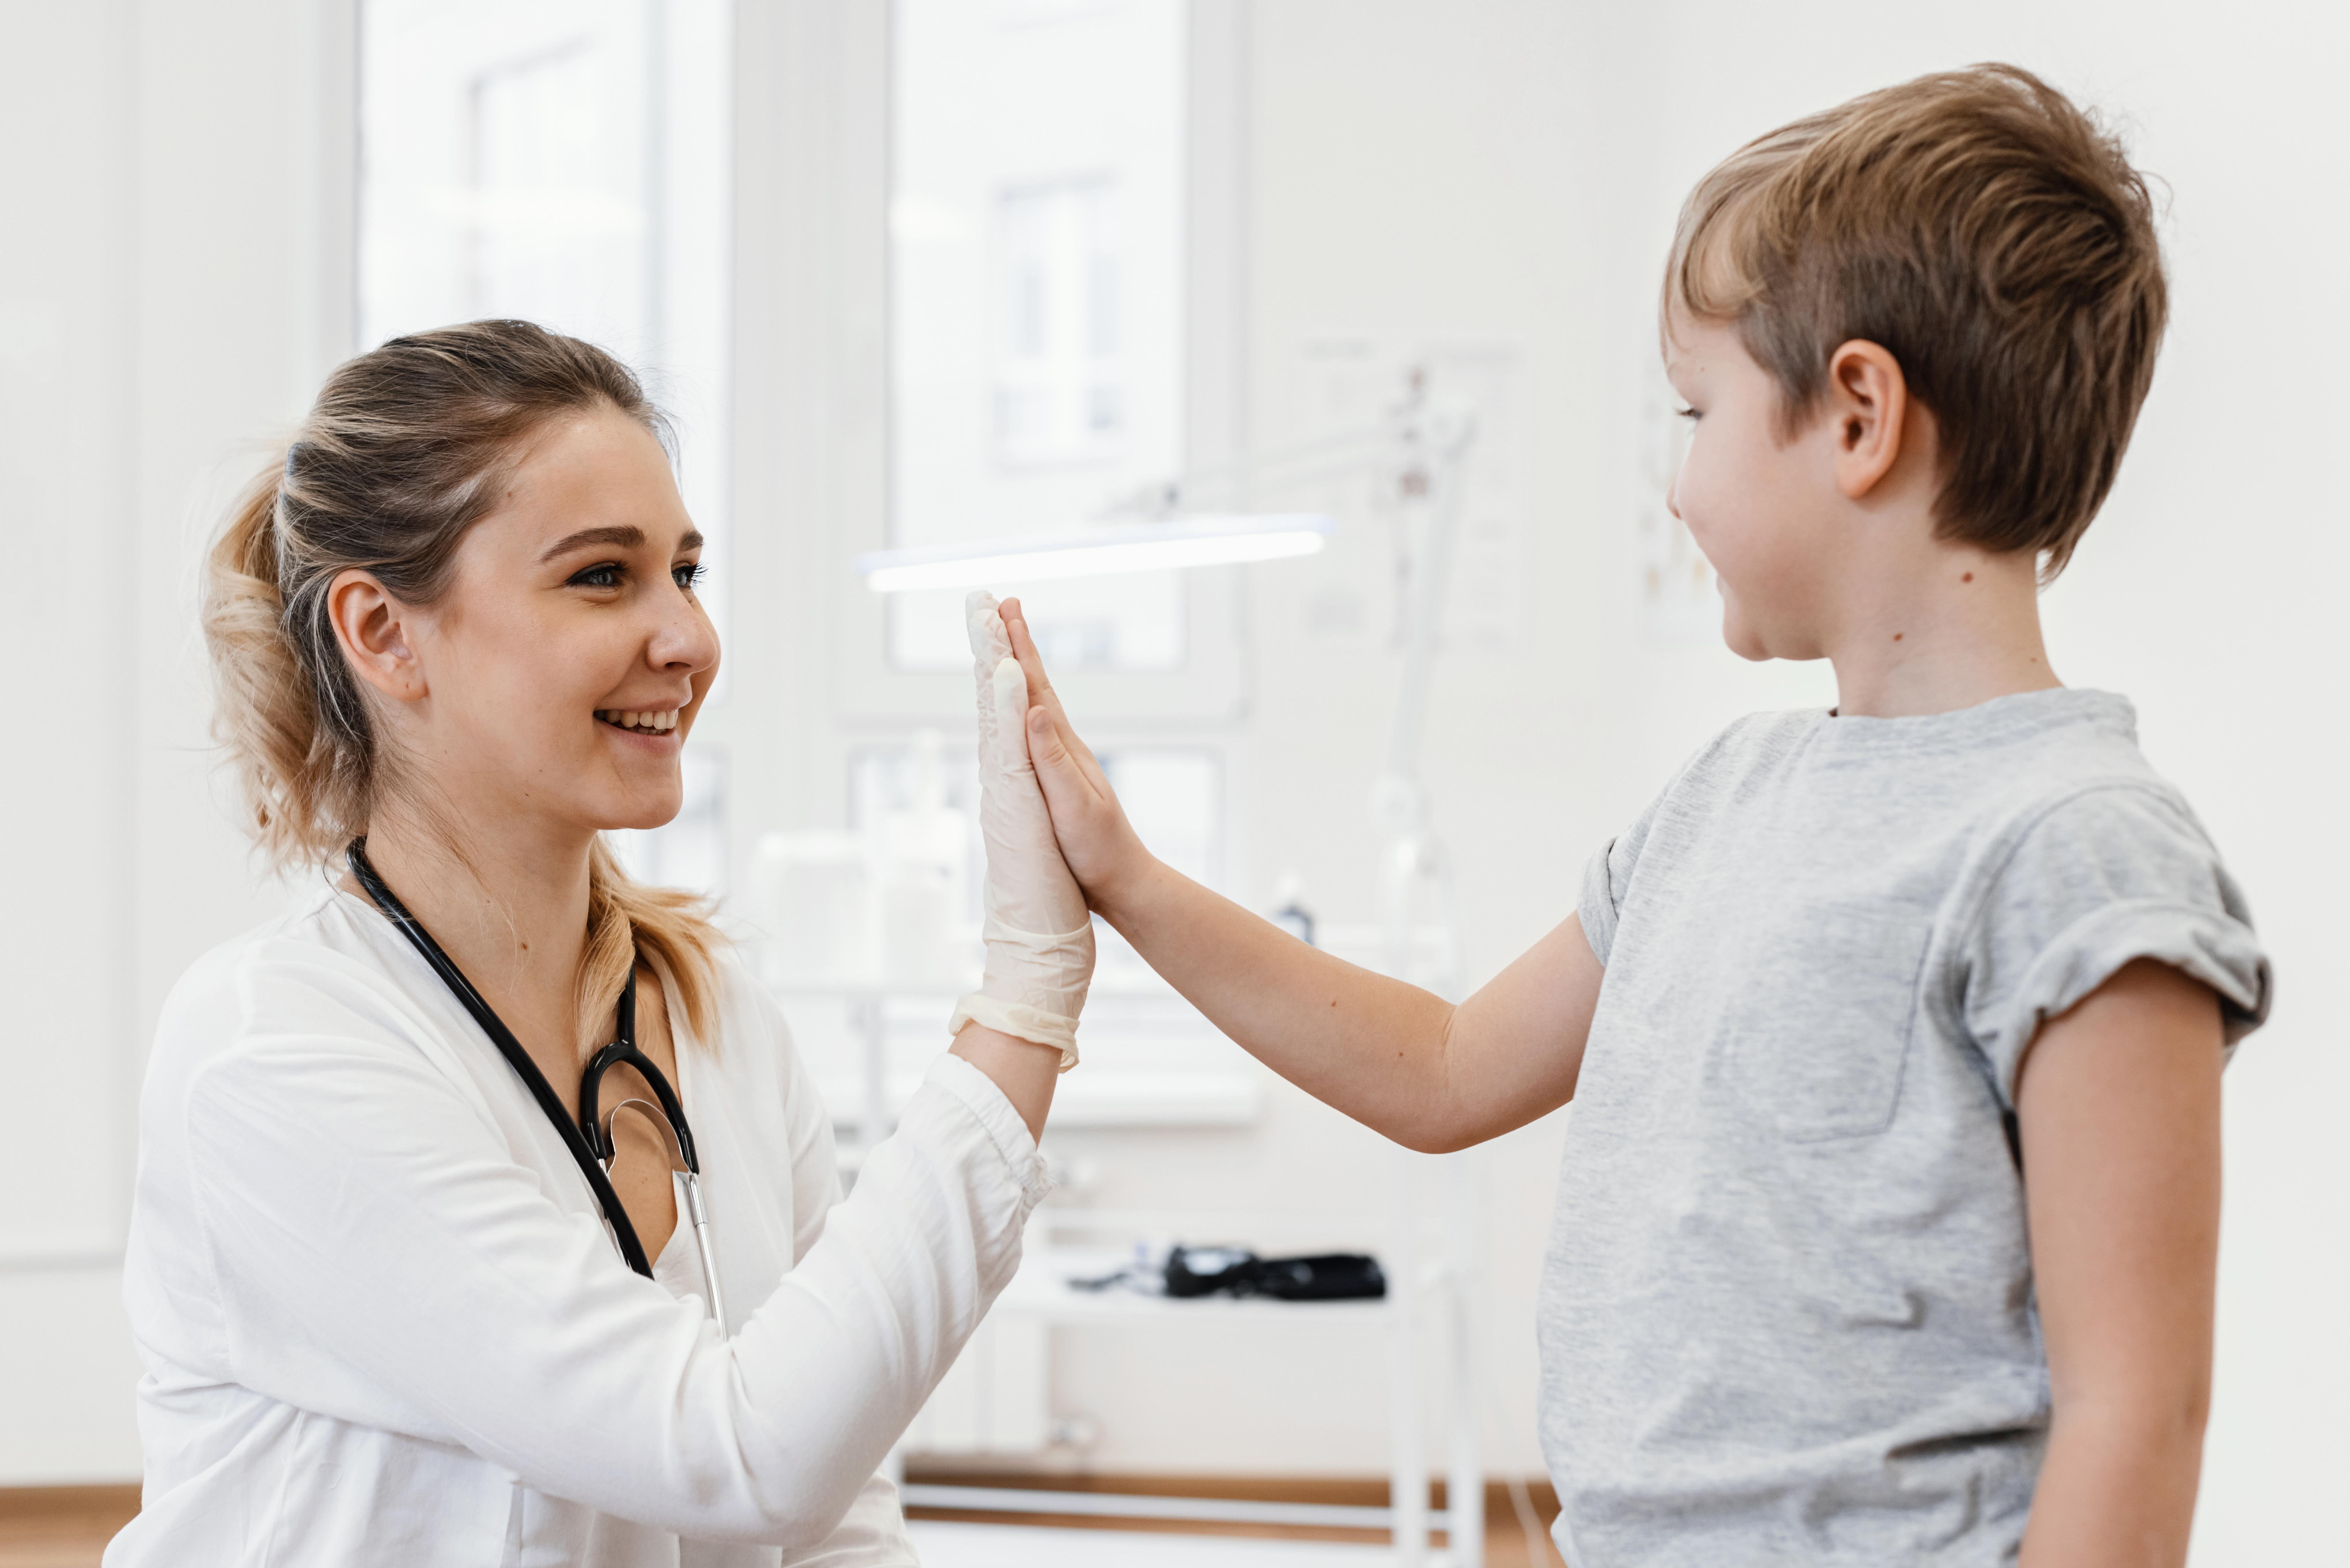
[(1436, 1131)]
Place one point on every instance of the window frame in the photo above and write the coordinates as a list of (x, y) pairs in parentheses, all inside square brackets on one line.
[(1208, 689)]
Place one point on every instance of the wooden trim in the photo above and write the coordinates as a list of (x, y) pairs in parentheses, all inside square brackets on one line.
[(61, 1526), (48, 1516), (1505, 1544), (1358, 1490), (40, 1501)]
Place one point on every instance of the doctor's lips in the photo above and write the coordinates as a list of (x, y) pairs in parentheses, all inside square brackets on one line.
[(642, 722)]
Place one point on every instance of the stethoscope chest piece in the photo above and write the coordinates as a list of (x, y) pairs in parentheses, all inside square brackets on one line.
[(666, 1118)]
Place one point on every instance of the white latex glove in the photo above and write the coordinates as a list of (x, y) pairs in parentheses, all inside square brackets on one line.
[(1035, 979)]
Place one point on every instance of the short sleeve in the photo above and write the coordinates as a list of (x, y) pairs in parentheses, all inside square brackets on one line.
[(2103, 878), (1607, 880)]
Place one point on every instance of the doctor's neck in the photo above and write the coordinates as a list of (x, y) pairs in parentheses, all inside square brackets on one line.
[(509, 906)]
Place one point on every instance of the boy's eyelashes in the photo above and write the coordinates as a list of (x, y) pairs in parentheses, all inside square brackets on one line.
[(1688, 413)]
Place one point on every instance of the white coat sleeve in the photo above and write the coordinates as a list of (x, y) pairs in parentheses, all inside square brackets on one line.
[(383, 1259)]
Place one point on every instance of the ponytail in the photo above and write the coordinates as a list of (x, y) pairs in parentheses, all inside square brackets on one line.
[(299, 806), (630, 923)]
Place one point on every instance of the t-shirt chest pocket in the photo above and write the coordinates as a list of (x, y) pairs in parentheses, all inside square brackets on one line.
[(1818, 1040)]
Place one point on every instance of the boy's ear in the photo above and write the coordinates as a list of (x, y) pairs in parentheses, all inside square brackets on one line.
[(1867, 412), (373, 629)]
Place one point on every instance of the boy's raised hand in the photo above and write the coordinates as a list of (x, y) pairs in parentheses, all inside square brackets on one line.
[(1096, 839), (1399, 1060)]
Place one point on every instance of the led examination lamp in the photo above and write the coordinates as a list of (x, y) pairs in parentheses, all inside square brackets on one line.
[(1098, 552)]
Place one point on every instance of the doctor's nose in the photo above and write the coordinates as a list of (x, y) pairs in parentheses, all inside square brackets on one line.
[(685, 640)]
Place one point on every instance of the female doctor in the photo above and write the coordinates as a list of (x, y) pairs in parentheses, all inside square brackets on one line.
[(409, 1268)]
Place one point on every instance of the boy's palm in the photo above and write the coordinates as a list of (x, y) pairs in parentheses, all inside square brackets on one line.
[(1100, 845)]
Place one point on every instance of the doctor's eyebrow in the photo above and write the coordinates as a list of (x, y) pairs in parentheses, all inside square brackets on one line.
[(621, 535)]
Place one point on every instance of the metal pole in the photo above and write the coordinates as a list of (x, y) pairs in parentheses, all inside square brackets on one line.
[(1407, 1461), (1465, 1483), (1437, 440)]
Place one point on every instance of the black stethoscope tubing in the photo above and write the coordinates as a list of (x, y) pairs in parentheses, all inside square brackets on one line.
[(583, 1138)]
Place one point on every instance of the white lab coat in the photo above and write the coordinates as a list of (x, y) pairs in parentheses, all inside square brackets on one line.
[(383, 1323)]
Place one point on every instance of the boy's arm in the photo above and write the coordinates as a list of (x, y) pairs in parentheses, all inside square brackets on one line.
[(2118, 1103), (1400, 1060)]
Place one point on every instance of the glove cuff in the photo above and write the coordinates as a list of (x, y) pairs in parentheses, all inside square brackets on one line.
[(1021, 1022)]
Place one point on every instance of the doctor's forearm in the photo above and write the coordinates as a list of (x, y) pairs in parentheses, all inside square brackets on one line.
[(1025, 1071)]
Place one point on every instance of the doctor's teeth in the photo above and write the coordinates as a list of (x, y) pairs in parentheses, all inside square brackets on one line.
[(645, 720)]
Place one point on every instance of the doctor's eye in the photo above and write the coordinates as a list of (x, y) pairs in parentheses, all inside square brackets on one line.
[(687, 573), (603, 574)]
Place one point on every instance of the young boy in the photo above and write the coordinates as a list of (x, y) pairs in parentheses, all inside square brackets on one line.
[(1886, 1227)]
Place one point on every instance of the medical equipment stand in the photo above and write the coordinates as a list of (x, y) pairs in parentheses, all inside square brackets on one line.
[(1434, 440)]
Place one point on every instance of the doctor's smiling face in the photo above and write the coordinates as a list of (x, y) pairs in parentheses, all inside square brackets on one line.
[(553, 683)]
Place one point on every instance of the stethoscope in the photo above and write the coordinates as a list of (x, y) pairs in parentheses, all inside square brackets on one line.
[(589, 1139)]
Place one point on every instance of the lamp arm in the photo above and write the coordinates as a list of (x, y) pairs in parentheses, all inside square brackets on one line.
[(1332, 456), (1447, 471)]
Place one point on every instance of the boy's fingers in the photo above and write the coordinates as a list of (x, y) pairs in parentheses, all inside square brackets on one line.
[(1032, 663), (1040, 685), (1065, 788)]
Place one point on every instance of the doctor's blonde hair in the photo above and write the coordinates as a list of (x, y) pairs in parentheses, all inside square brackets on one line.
[(402, 453)]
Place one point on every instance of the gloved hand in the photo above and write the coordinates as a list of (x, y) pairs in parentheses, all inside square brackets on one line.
[(1040, 939)]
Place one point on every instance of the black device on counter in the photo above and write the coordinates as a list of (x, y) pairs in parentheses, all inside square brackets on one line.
[(1233, 1270)]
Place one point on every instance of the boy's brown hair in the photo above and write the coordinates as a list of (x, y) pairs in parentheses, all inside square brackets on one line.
[(1989, 235)]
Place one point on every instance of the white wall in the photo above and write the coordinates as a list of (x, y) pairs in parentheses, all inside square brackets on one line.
[(67, 495), (159, 316)]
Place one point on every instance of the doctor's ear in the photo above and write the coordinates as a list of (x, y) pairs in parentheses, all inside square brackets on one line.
[(373, 629)]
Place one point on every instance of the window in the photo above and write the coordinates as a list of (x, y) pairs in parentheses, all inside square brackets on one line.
[(1037, 267), (568, 161)]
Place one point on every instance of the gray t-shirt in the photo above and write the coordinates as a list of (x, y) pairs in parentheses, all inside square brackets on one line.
[(1787, 1313)]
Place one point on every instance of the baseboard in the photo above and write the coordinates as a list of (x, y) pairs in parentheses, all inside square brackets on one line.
[(115, 1505), (32, 1515), (1368, 1491)]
